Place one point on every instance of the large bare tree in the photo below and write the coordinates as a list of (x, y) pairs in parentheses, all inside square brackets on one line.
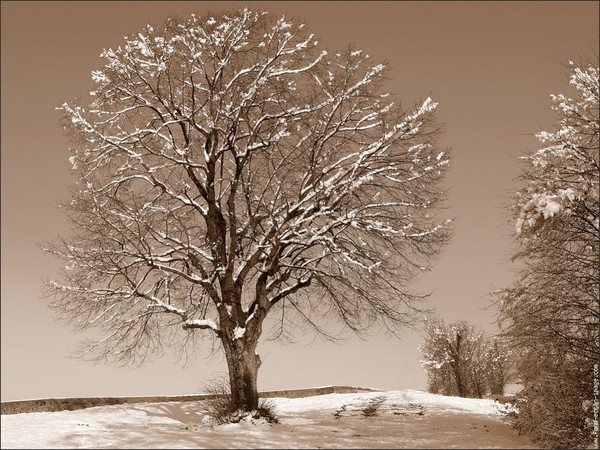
[(228, 169)]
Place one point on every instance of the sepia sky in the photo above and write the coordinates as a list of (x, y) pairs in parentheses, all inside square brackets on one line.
[(490, 65)]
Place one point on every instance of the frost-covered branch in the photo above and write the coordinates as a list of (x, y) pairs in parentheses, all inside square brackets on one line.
[(228, 166)]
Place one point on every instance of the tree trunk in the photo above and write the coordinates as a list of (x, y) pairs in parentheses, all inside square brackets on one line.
[(243, 364), (460, 384)]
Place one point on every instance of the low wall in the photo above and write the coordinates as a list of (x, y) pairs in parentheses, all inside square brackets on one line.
[(310, 392), (70, 404)]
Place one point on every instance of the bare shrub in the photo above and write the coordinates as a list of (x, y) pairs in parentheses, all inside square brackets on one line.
[(371, 409), (220, 406)]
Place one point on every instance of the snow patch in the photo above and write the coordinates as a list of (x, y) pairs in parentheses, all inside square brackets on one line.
[(543, 206), (202, 323), (238, 333), (303, 423)]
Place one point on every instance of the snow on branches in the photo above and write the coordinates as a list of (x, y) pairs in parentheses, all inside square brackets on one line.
[(551, 313), (566, 168), (227, 165)]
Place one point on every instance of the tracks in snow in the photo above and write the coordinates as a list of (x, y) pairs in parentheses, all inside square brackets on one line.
[(378, 406)]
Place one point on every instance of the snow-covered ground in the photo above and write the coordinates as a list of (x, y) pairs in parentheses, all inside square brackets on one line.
[(396, 419)]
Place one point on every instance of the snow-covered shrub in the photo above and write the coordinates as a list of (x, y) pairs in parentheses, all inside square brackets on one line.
[(551, 314)]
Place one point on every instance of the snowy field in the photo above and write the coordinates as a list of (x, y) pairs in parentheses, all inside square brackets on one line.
[(396, 419)]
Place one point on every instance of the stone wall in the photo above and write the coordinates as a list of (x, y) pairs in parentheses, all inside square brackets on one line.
[(310, 392), (62, 404)]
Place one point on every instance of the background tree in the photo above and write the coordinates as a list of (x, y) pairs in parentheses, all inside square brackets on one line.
[(461, 362), (437, 357), (551, 313), (498, 365), (227, 169)]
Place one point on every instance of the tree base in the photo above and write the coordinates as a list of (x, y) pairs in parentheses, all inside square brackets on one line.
[(261, 415)]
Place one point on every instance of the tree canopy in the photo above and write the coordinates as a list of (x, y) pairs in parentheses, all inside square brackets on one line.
[(227, 167)]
